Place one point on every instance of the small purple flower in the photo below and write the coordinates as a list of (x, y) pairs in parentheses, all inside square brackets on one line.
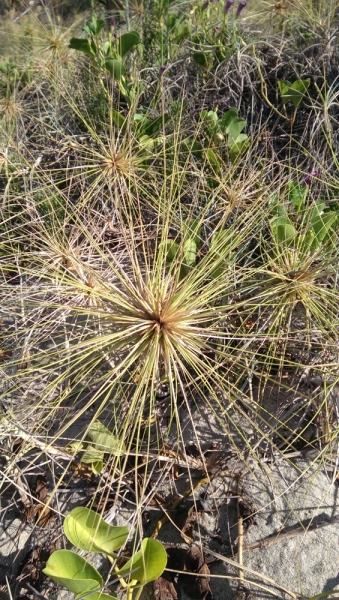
[(228, 6), (162, 69), (113, 23), (308, 178), (240, 8), (218, 27)]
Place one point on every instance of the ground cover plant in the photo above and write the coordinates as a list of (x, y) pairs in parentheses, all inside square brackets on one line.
[(169, 256), (88, 531)]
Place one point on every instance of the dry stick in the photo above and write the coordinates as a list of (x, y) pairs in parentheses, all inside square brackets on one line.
[(283, 536), (240, 537), (186, 539), (188, 493), (177, 502), (30, 588), (264, 89), (233, 578), (12, 428)]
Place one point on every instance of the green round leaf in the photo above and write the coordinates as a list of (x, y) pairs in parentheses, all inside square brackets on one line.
[(86, 46), (72, 572), (282, 229), (171, 248), (118, 118), (200, 58), (114, 67), (182, 32), (127, 41), (95, 26), (147, 564), (213, 159), (146, 142), (293, 92), (92, 455), (321, 225), (97, 467), (193, 147), (190, 252), (234, 129), (97, 596), (227, 118), (87, 530), (103, 440)]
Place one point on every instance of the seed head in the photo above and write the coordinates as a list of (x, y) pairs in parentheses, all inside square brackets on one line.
[(228, 6), (309, 177), (240, 8)]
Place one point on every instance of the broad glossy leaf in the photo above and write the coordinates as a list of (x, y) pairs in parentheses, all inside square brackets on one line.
[(241, 144), (127, 41), (138, 118), (293, 92), (156, 124), (182, 32), (234, 129), (107, 48), (227, 118), (209, 115), (93, 457), (147, 564), (193, 147), (296, 194), (117, 118), (284, 86), (146, 142), (301, 85), (200, 58), (88, 531), (282, 229), (322, 224), (314, 211), (190, 252), (95, 26), (193, 227), (172, 249), (96, 596), (213, 159), (97, 467), (104, 440), (221, 242), (73, 572), (221, 246), (75, 447), (85, 46), (114, 67), (278, 209)]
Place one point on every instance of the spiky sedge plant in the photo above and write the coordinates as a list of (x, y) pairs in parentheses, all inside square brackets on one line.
[(124, 273), (129, 319), (118, 319), (106, 323)]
